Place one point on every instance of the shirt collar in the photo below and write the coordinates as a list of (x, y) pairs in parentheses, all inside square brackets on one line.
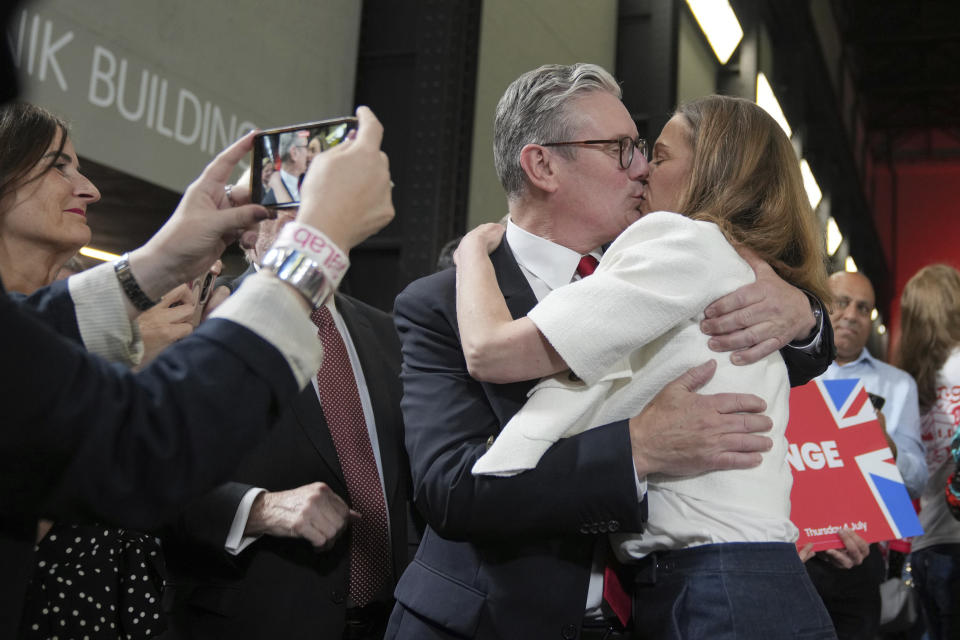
[(864, 358), (552, 263)]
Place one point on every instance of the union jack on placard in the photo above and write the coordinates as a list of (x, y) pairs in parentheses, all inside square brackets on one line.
[(848, 401), (854, 482)]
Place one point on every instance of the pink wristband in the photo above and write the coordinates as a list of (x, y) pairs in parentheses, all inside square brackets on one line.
[(313, 243)]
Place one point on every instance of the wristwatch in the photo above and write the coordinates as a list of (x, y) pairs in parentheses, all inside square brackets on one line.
[(817, 309), (300, 272), (131, 287)]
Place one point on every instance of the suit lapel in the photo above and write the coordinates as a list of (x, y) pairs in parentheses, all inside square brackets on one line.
[(513, 284), (507, 399), (306, 409), (309, 414)]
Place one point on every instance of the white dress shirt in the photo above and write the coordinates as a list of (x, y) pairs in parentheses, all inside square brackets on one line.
[(292, 183)]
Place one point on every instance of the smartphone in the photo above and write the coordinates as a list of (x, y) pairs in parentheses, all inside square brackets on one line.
[(205, 284), (281, 158), (878, 401)]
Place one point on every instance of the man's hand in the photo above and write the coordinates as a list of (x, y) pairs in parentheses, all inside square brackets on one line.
[(312, 512), (346, 191), (759, 318), (683, 433)]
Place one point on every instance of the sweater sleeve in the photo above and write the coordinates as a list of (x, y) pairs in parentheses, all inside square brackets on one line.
[(663, 269)]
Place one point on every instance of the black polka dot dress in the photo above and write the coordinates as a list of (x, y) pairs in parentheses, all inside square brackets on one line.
[(95, 582)]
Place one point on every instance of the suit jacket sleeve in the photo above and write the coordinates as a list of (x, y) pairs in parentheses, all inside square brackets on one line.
[(449, 418), (207, 520), (53, 306), (83, 438), (803, 365)]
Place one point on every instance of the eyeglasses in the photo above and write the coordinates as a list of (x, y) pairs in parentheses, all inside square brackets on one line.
[(627, 147), (862, 308)]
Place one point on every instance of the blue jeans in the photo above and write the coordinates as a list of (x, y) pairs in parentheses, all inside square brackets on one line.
[(936, 574), (736, 590)]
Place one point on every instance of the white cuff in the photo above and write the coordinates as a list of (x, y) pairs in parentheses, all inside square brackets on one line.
[(236, 541), (641, 484), (105, 327), (275, 312)]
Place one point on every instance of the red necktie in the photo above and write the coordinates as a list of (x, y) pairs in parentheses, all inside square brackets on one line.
[(586, 266), (615, 595), (370, 565), (613, 592)]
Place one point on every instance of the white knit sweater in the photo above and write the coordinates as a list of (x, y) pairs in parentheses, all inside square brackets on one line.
[(626, 331)]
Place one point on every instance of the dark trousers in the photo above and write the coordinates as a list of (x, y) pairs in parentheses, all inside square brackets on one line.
[(741, 591), (936, 574), (852, 596)]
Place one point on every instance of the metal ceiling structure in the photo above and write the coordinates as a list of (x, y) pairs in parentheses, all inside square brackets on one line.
[(904, 58)]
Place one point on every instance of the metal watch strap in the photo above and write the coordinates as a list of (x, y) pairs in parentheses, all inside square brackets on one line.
[(299, 271), (131, 288)]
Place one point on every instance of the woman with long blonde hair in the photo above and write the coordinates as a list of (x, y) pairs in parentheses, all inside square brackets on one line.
[(930, 351)]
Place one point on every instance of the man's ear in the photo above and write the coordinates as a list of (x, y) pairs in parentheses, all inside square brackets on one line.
[(540, 165)]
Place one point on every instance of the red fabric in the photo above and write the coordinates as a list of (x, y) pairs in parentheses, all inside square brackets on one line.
[(588, 264), (615, 595), (369, 539)]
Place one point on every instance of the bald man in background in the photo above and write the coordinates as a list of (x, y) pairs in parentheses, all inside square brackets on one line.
[(852, 595)]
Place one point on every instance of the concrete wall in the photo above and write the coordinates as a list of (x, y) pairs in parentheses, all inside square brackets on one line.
[(516, 36), (155, 89), (696, 64)]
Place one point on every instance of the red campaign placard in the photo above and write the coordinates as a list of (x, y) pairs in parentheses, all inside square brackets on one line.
[(843, 472)]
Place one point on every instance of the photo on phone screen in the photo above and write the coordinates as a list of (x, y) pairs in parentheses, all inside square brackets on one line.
[(281, 157)]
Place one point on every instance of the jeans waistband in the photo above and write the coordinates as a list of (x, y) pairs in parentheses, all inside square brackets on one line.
[(757, 557)]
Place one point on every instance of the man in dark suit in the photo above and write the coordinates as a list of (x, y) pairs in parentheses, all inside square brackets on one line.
[(272, 553), (524, 556)]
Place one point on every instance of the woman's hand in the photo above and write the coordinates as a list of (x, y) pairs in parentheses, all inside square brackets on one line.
[(171, 320), (202, 226), (484, 238)]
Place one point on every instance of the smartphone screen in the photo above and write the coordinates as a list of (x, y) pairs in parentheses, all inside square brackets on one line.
[(281, 158), (878, 401)]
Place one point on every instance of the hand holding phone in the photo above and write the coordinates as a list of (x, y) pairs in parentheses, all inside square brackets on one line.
[(282, 156), (347, 192)]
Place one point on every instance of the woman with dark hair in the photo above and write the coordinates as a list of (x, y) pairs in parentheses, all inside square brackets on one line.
[(930, 351), (626, 330), (88, 580), (43, 197)]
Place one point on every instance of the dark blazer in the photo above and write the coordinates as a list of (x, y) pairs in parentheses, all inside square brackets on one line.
[(281, 587), (85, 439), (501, 557)]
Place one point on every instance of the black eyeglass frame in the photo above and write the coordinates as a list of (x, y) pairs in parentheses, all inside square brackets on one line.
[(623, 143)]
